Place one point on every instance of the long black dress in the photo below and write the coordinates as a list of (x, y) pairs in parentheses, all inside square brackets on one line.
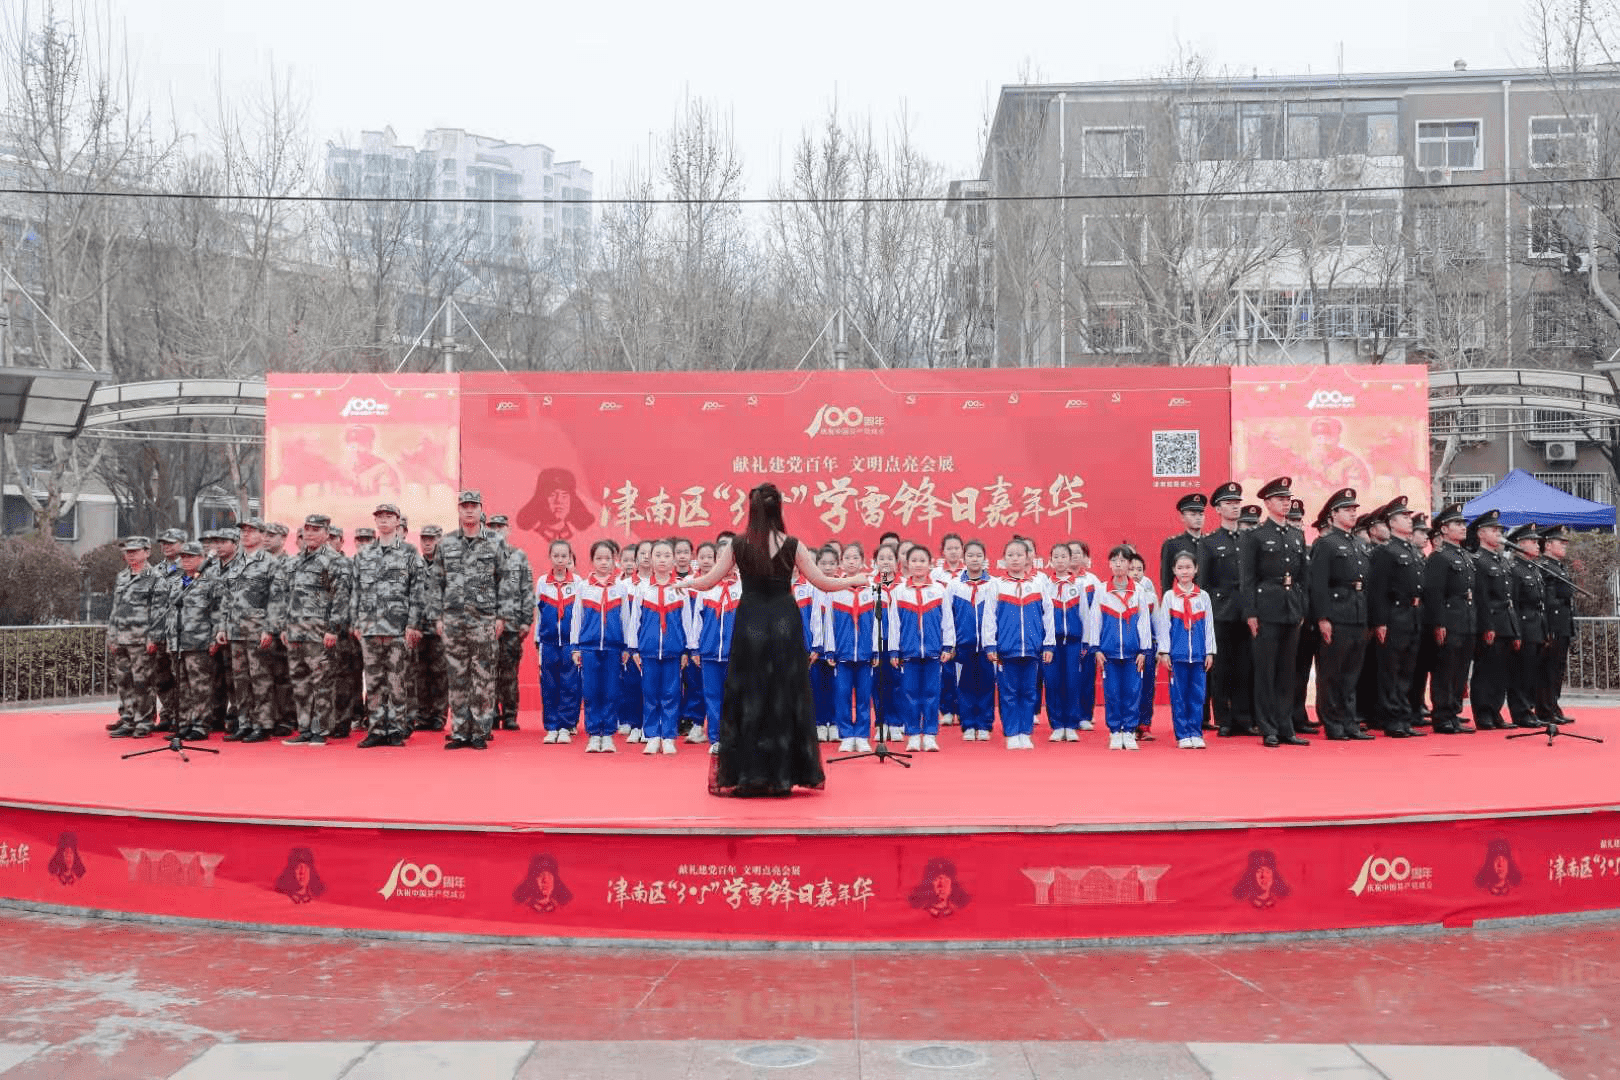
[(768, 743)]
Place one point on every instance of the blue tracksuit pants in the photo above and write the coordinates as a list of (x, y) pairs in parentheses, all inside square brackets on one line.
[(660, 697), (1187, 698), (1150, 680), (919, 696), (559, 690), (1122, 693), (852, 680), (600, 675), (1086, 685), (630, 697), (1061, 678), (712, 675), (821, 690), (693, 704), (948, 702), (1016, 679), (976, 690)]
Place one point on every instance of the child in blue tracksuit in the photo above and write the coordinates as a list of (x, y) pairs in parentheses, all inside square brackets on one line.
[(1150, 670), (1122, 633), (597, 635), (657, 637), (949, 569), (812, 603), (1184, 628), (692, 705), (885, 686), (1090, 585), (710, 620), (849, 646), (976, 676), (630, 682), (922, 635), (1062, 675), (559, 678), (1018, 637)]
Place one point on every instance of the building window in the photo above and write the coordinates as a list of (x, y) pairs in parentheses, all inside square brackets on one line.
[(1451, 232), (1113, 327), (19, 519), (1461, 489), (1560, 140), (1558, 321), (1455, 322), (1110, 239), (1450, 144), (1112, 151), (1325, 129), (1555, 232), (1593, 487), (1467, 424)]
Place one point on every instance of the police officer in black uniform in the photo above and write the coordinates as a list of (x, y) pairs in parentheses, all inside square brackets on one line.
[(1220, 573), (1373, 533), (1310, 640), (1191, 508), (1424, 537), (1395, 610), (1448, 616), (1530, 605), (1497, 623), (1560, 625), (1338, 572), (1272, 562)]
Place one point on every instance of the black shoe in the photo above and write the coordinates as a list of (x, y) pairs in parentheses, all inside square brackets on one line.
[(509, 723), (165, 726), (238, 735), (253, 735), (1338, 738), (373, 738), (478, 743), (1464, 729), (1530, 723), (317, 740), (115, 724), (281, 731), (121, 730), (1224, 733), (1271, 740), (1447, 729), (195, 735), (1360, 736), (339, 732), (1308, 729), (1565, 719), (1412, 734), (1399, 733), (1295, 740), (399, 739), (456, 744), (303, 738)]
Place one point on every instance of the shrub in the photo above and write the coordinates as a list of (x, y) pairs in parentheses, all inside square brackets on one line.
[(39, 582)]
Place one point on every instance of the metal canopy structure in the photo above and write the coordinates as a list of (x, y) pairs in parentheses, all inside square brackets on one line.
[(114, 407), (44, 401)]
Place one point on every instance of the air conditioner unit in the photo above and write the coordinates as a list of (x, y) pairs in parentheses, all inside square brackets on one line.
[(1437, 177), (1563, 450), (1578, 263)]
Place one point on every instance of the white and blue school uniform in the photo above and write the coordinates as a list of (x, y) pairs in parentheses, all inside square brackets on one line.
[(1150, 669), (710, 620), (1184, 626), (598, 634), (1086, 686), (559, 678), (1061, 677), (849, 641), (657, 633), (975, 676), (949, 703), (693, 708), (922, 625), (1121, 630), (630, 703), (1017, 628), (812, 604), (885, 680)]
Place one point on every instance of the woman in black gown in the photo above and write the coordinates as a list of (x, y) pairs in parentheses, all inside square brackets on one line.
[(768, 743)]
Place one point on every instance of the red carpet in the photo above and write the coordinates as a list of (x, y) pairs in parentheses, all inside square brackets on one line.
[(62, 760)]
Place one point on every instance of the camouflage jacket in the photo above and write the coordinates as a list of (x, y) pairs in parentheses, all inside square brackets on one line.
[(390, 588), (310, 598), (249, 579), (193, 609), (138, 603), (517, 564), (471, 580)]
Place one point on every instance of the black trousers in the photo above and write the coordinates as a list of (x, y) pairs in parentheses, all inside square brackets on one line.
[(1422, 670), (1338, 670), (1523, 678), (1231, 677), (1275, 651), (1487, 689), (1310, 643), (1367, 686), (1550, 681), (1397, 661), (1450, 676)]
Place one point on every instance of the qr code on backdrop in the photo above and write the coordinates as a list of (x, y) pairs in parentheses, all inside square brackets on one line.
[(1175, 453)]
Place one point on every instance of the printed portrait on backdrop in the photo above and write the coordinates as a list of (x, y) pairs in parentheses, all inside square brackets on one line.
[(66, 866), (299, 881), (939, 893), (1500, 874), (1261, 885), (542, 889), (555, 511)]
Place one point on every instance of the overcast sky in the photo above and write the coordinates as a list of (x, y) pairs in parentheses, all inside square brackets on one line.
[(594, 81)]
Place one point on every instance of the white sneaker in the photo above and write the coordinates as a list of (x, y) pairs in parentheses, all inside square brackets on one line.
[(1197, 742), (651, 747), (606, 745), (896, 733), (636, 735), (1129, 738), (594, 744), (1085, 725), (1012, 743), (1074, 736), (667, 745), (846, 746), (1026, 741), (714, 748), (930, 744), (914, 744), (863, 746), (1116, 740), (565, 736), (947, 719), (984, 734), (1057, 735), (821, 733), (697, 735), (1183, 744), (624, 729), (551, 737)]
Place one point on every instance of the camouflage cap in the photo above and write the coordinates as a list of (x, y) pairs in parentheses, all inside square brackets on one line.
[(318, 521), (386, 508), (404, 522), (234, 535), (471, 495), (276, 528), (498, 521), (334, 531), (256, 524), (136, 543), (365, 532), (208, 535), (172, 536), (191, 547), (431, 532)]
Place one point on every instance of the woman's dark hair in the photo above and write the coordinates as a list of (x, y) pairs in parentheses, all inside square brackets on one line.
[(1121, 551), (656, 544), (892, 549), (526, 893), (947, 538), (1085, 548), (1021, 542), (1184, 555), (853, 545), (600, 544), (706, 544), (725, 534), (677, 541), (648, 544), (287, 883), (888, 537), (922, 548), (830, 549), (975, 544), (566, 546), (1060, 544), (764, 518), (1136, 556)]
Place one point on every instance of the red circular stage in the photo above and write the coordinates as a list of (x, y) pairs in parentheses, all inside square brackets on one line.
[(975, 843)]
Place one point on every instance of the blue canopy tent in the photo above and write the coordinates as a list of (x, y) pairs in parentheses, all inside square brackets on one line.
[(1521, 498)]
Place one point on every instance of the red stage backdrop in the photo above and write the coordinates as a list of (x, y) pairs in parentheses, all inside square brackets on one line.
[(1365, 427), (341, 444), (1099, 454)]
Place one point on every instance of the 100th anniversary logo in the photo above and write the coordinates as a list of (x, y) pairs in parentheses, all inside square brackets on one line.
[(408, 880), (1381, 875)]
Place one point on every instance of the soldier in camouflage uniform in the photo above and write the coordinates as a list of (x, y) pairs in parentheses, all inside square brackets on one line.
[(138, 597), (472, 595), (226, 707), (163, 680), (309, 610), (347, 668), (194, 603), (286, 713), (248, 578), (390, 580), (432, 680), (510, 654)]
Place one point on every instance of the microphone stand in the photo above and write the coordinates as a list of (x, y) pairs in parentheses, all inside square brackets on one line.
[(880, 745)]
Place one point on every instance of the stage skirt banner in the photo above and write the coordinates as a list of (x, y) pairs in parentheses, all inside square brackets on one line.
[(1330, 427), (1100, 454), (913, 887), (341, 444)]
